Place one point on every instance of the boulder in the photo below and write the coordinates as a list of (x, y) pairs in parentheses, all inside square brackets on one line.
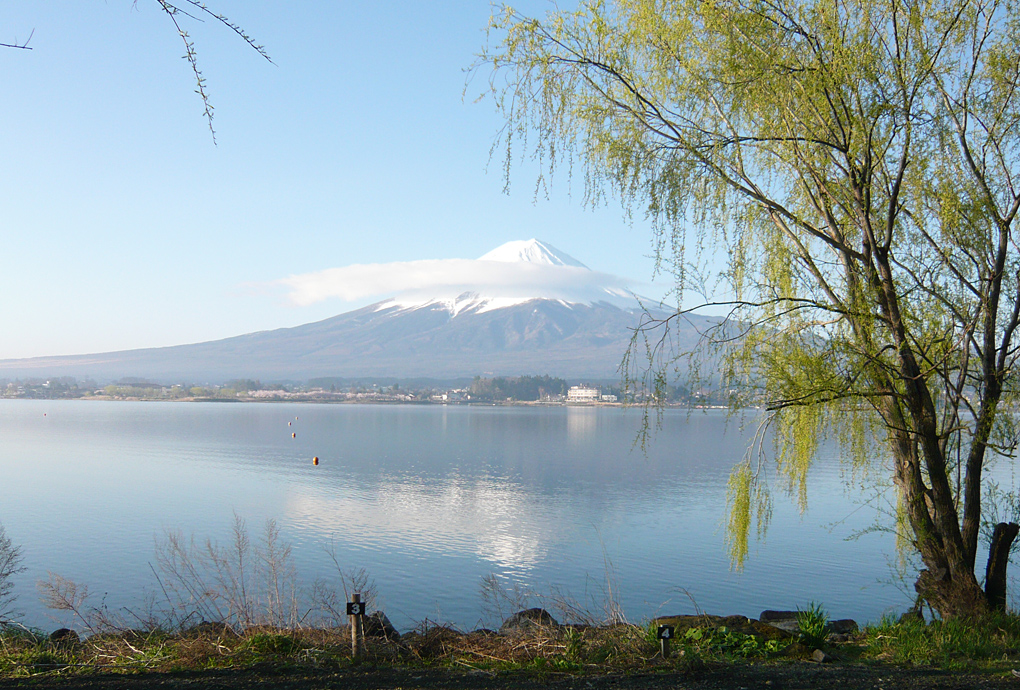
[(526, 621), (433, 642), (766, 631), (784, 620), (64, 636), (768, 616), (377, 624), (789, 625), (843, 626), (787, 620)]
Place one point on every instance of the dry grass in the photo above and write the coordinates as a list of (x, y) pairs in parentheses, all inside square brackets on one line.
[(248, 589), (243, 583), (569, 649)]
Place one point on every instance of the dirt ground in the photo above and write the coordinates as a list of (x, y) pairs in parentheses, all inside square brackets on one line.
[(748, 677)]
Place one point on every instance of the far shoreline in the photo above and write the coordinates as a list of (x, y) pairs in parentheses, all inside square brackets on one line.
[(369, 401)]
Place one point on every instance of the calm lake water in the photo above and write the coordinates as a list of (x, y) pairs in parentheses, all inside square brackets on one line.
[(429, 500)]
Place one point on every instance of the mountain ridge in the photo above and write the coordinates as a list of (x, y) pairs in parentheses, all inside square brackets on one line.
[(481, 332)]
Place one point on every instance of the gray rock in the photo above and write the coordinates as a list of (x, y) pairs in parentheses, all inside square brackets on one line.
[(376, 624), (787, 620), (787, 624), (769, 616), (524, 621), (784, 620), (64, 636), (836, 638), (819, 656), (844, 626)]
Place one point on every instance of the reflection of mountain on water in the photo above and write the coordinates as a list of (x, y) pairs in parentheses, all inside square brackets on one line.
[(510, 486), (498, 521), (429, 501)]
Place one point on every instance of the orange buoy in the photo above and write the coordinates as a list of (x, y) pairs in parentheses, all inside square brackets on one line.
[(315, 460), (293, 435)]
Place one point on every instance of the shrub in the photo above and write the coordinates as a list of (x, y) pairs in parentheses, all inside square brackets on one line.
[(812, 623), (10, 565), (725, 643)]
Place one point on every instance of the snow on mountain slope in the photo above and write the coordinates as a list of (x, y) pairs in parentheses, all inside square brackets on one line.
[(532, 251)]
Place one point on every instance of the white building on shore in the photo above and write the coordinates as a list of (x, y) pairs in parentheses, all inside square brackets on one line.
[(583, 394)]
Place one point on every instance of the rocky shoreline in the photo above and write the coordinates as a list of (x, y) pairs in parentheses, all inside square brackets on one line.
[(531, 650)]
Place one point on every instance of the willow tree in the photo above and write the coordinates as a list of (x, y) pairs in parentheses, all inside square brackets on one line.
[(196, 10), (857, 161), (179, 12)]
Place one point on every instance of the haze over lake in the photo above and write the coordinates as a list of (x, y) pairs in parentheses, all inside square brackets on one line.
[(429, 500)]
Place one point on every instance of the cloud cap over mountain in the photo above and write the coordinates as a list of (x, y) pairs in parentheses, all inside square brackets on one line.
[(518, 271)]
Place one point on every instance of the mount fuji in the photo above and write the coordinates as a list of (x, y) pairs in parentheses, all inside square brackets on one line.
[(523, 308)]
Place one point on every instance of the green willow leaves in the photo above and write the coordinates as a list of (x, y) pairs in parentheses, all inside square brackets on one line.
[(857, 163)]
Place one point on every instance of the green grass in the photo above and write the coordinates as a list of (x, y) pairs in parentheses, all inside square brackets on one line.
[(956, 644), (722, 644), (991, 644), (264, 645), (812, 622)]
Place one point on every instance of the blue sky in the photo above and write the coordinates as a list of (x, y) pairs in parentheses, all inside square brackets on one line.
[(124, 226)]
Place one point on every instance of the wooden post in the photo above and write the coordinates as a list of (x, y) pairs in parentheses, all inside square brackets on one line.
[(356, 614)]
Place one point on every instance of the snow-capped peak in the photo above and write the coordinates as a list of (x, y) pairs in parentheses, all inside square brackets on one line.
[(532, 251)]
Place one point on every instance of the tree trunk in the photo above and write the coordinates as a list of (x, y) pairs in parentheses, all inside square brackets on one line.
[(947, 583), (998, 559), (959, 597)]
